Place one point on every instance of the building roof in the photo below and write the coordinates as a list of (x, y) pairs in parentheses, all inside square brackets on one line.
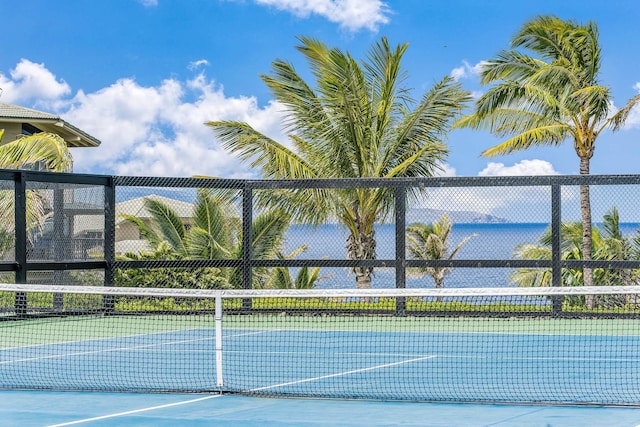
[(48, 122), (136, 207)]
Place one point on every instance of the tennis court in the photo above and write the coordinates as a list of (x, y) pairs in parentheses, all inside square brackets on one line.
[(232, 361), (286, 359)]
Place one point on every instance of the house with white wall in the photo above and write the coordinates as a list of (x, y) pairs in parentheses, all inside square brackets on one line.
[(17, 121)]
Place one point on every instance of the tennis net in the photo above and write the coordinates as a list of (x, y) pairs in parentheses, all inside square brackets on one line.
[(548, 345)]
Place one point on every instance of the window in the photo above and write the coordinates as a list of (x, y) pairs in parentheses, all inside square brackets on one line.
[(29, 129)]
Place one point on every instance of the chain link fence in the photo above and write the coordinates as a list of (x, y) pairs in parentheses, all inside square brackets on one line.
[(200, 233)]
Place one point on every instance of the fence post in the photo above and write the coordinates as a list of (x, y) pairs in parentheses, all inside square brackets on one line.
[(247, 241), (401, 277), (108, 301), (556, 250), (61, 243), (20, 227)]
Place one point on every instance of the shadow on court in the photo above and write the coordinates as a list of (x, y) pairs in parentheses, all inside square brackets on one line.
[(26, 409)]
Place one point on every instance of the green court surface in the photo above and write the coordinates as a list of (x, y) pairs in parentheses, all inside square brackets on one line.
[(67, 329), (54, 330)]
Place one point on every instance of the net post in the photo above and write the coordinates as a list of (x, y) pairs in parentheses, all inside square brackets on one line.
[(218, 325), (400, 221), (108, 301), (60, 243), (247, 241), (20, 239), (556, 251)]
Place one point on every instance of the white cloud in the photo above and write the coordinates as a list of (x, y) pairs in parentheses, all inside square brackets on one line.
[(467, 70), (146, 130), (523, 168), (447, 170), (352, 15), (30, 81), (156, 131), (458, 73), (197, 64), (149, 3)]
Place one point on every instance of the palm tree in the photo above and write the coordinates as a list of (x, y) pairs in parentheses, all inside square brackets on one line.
[(359, 122), (548, 97), (214, 233), (431, 242), (607, 244)]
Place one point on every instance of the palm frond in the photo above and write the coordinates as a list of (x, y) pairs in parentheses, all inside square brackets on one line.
[(268, 234), (203, 245), (46, 148), (620, 117), (146, 232), (169, 223), (509, 65), (521, 96), (611, 224), (556, 77), (304, 108), (593, 102), (213, 213), (529, 251), (280, 278), (546, 135), (547, 36), (459, 246), (384, 78), (272, 158), (529, 278)]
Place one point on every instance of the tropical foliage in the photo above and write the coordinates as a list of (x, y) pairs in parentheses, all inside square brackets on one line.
[(174, 278), (43, 151), (607, 244), (431, 242), (358, 122), (214, 234), (547, 91)]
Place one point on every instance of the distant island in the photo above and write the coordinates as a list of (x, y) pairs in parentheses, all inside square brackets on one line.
[(425, 215)]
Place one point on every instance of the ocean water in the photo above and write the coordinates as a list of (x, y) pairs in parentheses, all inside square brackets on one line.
[(490, 241)]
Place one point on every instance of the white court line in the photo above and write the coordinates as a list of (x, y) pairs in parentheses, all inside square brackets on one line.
[(134, 411), (339, 374), (108, 350), (258, 332)]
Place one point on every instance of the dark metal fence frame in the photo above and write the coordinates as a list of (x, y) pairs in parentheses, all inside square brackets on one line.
[(21, 265)]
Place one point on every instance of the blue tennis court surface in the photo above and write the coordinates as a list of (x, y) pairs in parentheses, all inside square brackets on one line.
[(459, 360), (40, 409), (390, 365)]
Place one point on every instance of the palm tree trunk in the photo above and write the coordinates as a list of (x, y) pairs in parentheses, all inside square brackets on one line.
[(439, 278), (585, 209), (362, 246)]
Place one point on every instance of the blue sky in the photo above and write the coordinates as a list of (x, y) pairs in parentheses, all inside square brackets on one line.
[(144, 75)]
